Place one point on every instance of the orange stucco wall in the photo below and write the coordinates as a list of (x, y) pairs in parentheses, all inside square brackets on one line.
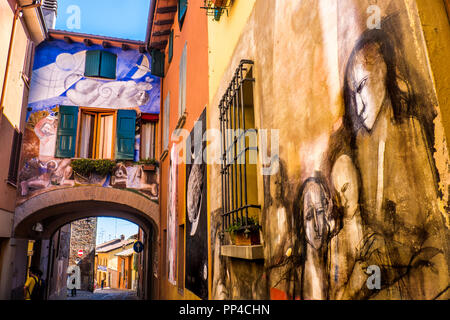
[(194, 33)]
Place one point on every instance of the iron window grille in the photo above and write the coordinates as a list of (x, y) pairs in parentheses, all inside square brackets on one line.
[(235, 108)]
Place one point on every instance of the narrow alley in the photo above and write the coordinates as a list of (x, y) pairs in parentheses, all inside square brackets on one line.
[(105, 294)]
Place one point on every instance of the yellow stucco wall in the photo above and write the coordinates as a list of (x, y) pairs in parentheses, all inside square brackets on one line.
[(223, 36), (14, 94), (301, 49), (436, 30), (6, 22)]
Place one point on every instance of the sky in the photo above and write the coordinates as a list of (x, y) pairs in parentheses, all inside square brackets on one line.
[(111, 18), (111, 228)]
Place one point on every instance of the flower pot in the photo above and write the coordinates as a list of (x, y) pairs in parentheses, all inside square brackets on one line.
[(220, 3), (148, 167), (243, 238)]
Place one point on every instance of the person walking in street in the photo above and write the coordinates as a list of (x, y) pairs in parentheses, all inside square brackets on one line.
[(32, 287), (72, 283)]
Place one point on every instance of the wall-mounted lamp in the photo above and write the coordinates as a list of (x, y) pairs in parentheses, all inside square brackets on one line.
[(38, 227), (216, 8)]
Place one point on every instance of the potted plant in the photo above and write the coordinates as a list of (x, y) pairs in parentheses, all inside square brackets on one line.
[(220, 3), (91, 171), (245, 234), (149, 164)]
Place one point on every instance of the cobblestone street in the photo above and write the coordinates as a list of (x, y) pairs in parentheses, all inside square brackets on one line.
[(105, 294)]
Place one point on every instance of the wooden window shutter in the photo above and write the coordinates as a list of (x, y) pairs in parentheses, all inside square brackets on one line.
[(171, 46), (182, 8), (15, 157), (67, 132), (126, 132), (158, 63), (108, 65), (92, 67), (100, 64)]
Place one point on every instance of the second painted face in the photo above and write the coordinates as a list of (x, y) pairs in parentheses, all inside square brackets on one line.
[(315, 207), (368, 74)]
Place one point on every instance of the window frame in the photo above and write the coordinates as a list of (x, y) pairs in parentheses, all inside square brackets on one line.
[(182, 82), (14, 161), (98, 75), (98, 112), (235, 184), (166, 122), (153, 151), (182, 15)]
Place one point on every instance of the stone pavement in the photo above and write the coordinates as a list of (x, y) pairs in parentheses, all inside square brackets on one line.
[(105, 294)]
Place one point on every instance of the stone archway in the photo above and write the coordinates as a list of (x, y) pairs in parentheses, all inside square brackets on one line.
[(58, 207)]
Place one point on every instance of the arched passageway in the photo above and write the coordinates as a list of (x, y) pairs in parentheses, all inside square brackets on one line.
[(54, 209)]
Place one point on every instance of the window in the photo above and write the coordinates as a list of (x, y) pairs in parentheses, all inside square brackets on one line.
[(166, 121), (182, 8), (15, 157), (164, 254), (96, 135), (182, 82), (102, 134), (157, 63), (28, 65), (101, 64), (180, 263), (239, 154), (171, 46), (148, 133)]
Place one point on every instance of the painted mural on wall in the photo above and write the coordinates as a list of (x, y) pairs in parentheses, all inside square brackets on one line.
[(353, 212), (196, 278), (172, 219), (58, 79)]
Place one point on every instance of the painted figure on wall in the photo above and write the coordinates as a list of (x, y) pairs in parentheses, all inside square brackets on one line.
[(196, 277), (61, 78), (316, 224), (46, 130), (172, 219), (38, 175), (390, 139)]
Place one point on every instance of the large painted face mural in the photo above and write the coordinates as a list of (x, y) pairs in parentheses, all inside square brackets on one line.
[(196, 215), (363, 162), (99, 93)]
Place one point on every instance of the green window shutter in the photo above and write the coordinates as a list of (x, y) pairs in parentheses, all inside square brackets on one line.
[(158, 63), (126, 131), (171, 46), (108, 65), (92, 67), (182, 8), (67, 132)]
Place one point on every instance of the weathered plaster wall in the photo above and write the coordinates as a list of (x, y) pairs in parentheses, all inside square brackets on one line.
[(193, 35), (377, 183), (221, 48), (83, 235)]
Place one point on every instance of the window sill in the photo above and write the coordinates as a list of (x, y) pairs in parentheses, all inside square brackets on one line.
[(180, 123), (12, 184), (243, 252)]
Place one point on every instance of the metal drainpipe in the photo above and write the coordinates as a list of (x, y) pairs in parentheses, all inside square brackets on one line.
[(17, 12)]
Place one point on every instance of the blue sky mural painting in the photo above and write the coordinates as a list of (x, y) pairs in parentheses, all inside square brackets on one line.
[(58, 79)]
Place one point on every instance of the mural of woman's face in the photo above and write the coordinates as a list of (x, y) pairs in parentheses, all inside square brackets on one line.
[(314, 214), (369, 72)]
